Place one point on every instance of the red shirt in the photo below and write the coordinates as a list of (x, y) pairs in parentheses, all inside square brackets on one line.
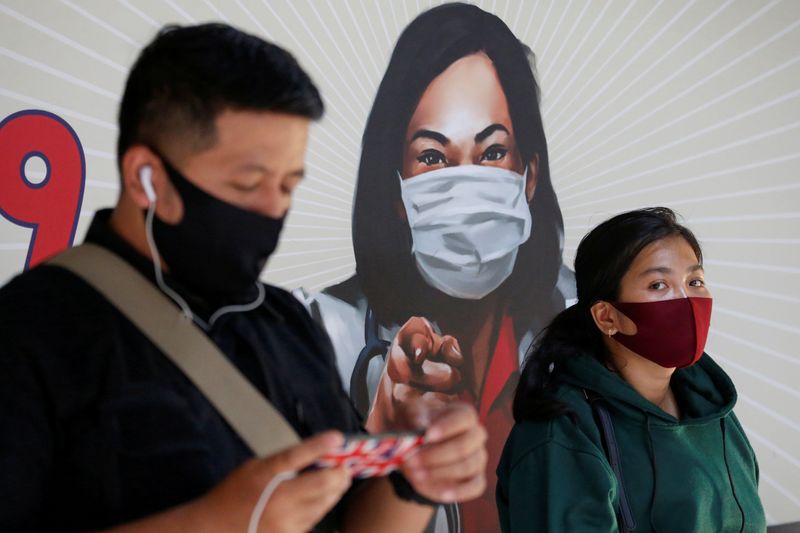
[(494, 409)]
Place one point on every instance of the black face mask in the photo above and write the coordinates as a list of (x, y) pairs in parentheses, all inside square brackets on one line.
[(217, 249)]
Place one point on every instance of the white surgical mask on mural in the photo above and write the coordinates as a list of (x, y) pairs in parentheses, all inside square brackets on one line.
[(467, 223)]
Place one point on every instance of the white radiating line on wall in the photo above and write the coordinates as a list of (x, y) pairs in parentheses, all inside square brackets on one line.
[(752, 319), (343, 228), (180, 11), (394, 17), (102, 23), (754, 292), (308, 188), (97, 184), (356, 78), (513, 24), (563, 126), (366, 49), (14, 246), (318, 70), (771, 445), (265, 32), (314, 239), (524, 36), (310, 180), (343, 163), (579, 46), (313, 252), (754, 266), (766, 379), (543, 24), (316, 169), (346, 101), (298, 212), (58, 74), (101, 154), (64, 112), (556, 29), (141, 14), (602, 68), (770, 412), (676, 97), (677, 183), (369, 17), (742, 142), (754, 240), (595, 49), (689, 114), (566, 39), (310, 263), (61, 38), (306, 201), (780, 488), (354, 149), (370, 78), (217, 12), (379, 9), (292, 282), (757, 347), (737, 194), (673, 74), (739, 218)]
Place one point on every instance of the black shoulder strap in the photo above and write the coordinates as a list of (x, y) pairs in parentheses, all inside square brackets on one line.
[(603, 417)]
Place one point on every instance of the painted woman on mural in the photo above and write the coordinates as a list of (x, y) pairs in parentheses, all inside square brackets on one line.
[(456, 230)]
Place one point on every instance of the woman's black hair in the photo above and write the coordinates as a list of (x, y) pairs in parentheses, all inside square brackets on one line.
[(603, 257), (381, 238)]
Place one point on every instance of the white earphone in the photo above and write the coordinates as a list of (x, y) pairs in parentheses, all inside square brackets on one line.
[(145, 176)]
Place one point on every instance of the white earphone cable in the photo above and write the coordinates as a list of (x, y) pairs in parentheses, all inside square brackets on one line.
[(266, 494)]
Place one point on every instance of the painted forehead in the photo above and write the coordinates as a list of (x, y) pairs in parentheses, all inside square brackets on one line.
[(466, 98)]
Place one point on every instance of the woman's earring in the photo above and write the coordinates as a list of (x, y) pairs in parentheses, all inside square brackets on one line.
[(611, 332)]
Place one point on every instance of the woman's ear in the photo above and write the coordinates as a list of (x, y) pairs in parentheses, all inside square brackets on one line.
[(605, 317), (532, 178)]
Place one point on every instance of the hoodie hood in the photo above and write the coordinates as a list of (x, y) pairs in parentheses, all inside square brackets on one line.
[(703, 391)]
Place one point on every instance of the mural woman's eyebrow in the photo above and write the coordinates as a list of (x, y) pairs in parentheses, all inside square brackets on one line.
[(480, 137), (430, 134)]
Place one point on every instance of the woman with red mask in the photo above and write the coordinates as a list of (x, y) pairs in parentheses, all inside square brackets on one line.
[(622, 421)]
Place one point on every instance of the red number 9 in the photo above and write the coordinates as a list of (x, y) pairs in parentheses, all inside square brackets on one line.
[(52, 206)]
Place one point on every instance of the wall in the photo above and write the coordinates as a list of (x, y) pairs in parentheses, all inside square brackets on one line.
[(693, 105)]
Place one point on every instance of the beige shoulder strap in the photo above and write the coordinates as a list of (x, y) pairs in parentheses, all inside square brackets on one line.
[(248, 412)]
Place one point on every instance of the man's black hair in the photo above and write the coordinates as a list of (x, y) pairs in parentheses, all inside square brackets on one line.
[(188, 75)]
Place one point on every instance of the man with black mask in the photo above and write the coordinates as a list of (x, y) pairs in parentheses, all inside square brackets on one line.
[(98, 427)]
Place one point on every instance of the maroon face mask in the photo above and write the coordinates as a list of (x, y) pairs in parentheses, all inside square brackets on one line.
[(671, 333)]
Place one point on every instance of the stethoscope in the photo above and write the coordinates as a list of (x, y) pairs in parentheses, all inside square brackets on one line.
[(374, 346)]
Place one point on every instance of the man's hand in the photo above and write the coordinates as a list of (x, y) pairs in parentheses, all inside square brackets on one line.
[(452, 464), (296, 505), (420, 365)]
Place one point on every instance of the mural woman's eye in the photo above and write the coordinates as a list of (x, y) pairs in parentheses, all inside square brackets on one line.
[(431, 158), (494, 153)]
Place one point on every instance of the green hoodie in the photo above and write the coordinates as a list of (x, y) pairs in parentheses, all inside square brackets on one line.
[(697, 474)]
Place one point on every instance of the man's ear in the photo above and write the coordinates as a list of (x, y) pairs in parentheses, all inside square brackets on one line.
[(532, 178), (606, 317), (136, 158)]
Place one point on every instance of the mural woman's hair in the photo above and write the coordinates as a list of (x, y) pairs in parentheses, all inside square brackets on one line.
[(381, 239)]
